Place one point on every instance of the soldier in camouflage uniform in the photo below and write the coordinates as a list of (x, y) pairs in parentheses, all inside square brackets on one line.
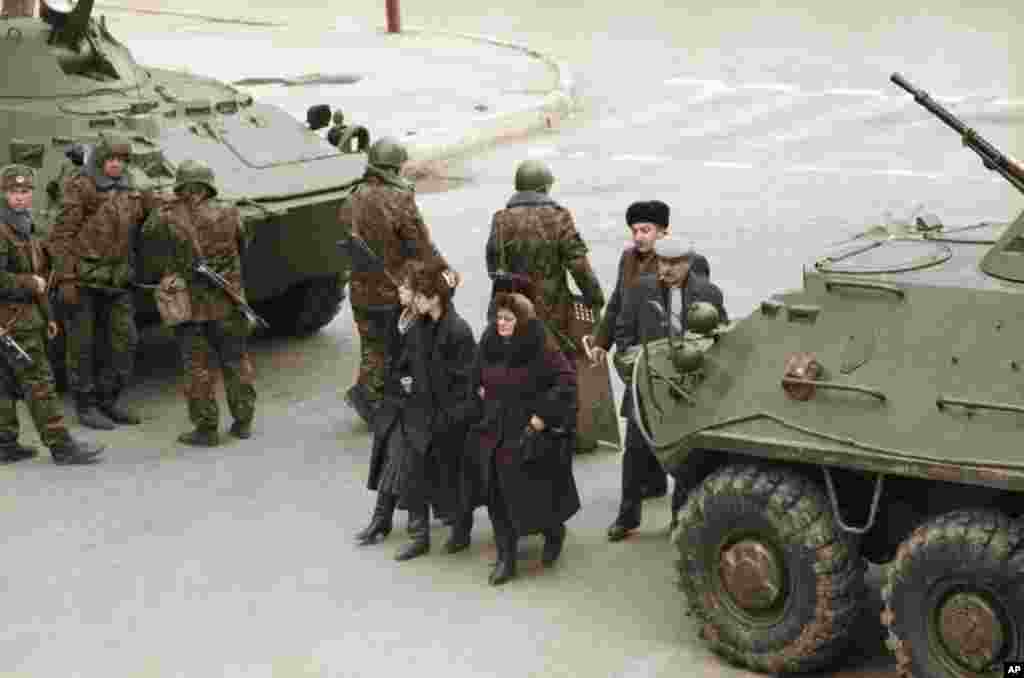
[(25, 314), (382, 211), (535, 236), (198, 226), (93, 246)]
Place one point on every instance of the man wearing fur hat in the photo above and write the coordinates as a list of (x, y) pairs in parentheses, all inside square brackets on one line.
[(648, 222), (93, 247), (26, 317), (673, 288), (195, 226), (382, 211)]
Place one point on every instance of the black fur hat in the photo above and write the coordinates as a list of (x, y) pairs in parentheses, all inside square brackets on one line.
[(649, 211)]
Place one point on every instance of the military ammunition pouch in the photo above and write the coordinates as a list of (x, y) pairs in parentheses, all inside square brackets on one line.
[(173, 300), (105, 273)]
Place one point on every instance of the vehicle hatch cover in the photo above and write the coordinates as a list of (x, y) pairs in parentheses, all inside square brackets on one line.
[(263, 136), (884, 256)]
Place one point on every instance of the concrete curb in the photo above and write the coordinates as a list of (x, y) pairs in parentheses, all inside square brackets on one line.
[(518, 123), (189, 15)]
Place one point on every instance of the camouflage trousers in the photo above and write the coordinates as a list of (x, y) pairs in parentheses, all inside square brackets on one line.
[(35, 384), (101, 342), (224, 340), (374, 338)]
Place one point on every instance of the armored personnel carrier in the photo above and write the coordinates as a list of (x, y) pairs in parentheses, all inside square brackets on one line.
[(875, 415), (69, 80)]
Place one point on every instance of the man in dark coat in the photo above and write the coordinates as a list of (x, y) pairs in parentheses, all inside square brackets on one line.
[(419, 436), (675, 288), (648, 222)]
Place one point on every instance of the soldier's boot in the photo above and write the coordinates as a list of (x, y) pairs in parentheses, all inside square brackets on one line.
[(201, 437), (381, 522), (419, 533), (119, 414), (627, 521), (505, 568), (242, 430), (554, 540), (89, 415), (76, 452), (13, 451), (459, 539), (358, 398)]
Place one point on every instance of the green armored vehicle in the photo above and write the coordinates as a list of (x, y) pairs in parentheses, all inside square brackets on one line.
[(875, 415), (68, 81)]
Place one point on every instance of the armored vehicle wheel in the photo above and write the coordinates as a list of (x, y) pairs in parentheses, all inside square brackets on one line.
[(954, 601), (306, 307), (774, 583)]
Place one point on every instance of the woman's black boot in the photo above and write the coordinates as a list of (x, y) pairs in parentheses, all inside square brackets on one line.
[(554, 539), (380, 523), (505, 568), (419, 532), (459, 539)]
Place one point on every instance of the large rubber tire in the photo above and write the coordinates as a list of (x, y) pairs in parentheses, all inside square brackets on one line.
[(820, 574), (305, 308), (978, 551)]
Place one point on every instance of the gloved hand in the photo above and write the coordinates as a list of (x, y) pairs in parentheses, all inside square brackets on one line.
[(68, 294)]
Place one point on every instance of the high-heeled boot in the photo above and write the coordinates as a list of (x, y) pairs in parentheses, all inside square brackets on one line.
[(381, 522), (419, 532), (505, 568)]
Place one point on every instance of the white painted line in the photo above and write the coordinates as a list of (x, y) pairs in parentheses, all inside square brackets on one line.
[(771, 87), (643, 159), (852, 92), (692, 81), (729, 165)]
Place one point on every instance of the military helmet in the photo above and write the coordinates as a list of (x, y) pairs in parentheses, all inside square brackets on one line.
[(195, 172), (387, 152), (109, 146), (13, 177), (533, 175)]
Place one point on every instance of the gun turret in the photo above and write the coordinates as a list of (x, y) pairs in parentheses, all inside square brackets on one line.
[(990, 155)]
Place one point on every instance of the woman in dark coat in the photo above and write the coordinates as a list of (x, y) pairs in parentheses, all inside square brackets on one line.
[(420, 428), (522, 444)]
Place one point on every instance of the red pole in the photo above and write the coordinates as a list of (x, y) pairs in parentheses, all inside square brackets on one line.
[(394, 20)]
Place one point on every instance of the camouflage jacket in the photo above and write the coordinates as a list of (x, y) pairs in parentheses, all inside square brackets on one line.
[(632, 265), (382, 211), (20, 258), (211, 230), (93, 237), (535, 236)]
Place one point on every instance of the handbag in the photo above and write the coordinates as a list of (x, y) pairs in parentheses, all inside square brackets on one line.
[(173, 300), (539, 445)]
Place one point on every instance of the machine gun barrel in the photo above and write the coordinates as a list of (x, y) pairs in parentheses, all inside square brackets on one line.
[(219, 281), (990, 155)]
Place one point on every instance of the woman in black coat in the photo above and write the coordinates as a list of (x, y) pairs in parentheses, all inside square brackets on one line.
[(519, 453), (420, 428)]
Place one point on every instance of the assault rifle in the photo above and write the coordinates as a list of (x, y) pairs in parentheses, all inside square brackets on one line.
[(364, 259), (12, 350), (217, 280), (990, 155)]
